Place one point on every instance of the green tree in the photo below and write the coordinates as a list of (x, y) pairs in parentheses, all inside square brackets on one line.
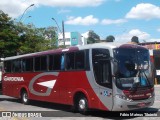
[(135, 39), (35, 39), (18, 38), (92, 37), (110, 38), (50, 34), (8, 36)]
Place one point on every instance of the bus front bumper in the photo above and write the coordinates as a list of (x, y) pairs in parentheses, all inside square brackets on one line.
[(125, 105)]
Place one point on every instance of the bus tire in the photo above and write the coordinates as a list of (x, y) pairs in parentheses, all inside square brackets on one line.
[(24, 97), (82, 104)]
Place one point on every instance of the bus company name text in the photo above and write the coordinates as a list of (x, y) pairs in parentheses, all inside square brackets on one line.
[(18, 79)]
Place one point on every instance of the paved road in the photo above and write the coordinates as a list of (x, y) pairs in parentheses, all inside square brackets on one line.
[(38, 108)]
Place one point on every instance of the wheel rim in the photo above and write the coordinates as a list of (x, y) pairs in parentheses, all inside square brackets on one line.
[(82, 104), (25, 97)]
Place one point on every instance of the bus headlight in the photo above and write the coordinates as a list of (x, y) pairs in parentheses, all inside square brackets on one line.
[(123, 97)]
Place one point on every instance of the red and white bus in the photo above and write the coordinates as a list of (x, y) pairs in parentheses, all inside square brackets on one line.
[(104, 76)]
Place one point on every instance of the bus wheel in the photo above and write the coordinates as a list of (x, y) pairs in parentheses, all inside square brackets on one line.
[(82, 105), (24, 98)]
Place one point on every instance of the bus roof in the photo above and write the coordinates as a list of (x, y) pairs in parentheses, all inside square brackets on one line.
[(73, 48)]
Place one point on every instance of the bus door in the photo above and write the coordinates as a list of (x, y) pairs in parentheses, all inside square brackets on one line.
[(102, 73)]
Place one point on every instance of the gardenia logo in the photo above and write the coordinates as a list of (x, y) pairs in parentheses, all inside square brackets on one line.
[(13, 78)]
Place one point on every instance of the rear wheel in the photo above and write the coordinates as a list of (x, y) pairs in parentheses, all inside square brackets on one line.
[(24, 98)]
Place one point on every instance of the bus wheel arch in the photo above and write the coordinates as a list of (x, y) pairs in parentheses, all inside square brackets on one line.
[(80, 102), (24, 96)]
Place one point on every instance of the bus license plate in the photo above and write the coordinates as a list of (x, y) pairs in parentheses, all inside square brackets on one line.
[(141, 104)]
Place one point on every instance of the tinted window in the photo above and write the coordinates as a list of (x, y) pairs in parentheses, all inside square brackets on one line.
[(27, 64), (44, 63), (37, 63), (87, 63), (79, 60), (40, 63), (51, 62), (7, 65), (70, 61), (102, 67), (58, 62), (16, 66)]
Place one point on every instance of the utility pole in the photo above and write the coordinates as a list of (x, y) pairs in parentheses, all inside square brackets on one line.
[(63, 32), (57, 24)]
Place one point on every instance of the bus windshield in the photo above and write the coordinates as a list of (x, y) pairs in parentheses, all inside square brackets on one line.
[(133, 67)]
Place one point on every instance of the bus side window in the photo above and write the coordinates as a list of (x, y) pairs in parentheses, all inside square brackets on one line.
[(79, 60), (43, 63), (70, 61), (87, 63), (7, 65), (37, 64), (23, 65), (58, 62), (51, 62), (102, 67), (27, 64), (16, 66)]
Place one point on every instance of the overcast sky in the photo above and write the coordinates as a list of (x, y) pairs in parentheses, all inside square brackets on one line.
[(120, 18)]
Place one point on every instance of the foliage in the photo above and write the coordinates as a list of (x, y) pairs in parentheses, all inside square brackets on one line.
[(92, 37), (17, 38), (35, 39), (8, 36), (135, 39), (110, 38)]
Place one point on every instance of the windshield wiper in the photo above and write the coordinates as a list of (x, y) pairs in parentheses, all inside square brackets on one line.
[(134, 86), (139, 75), (147, 79)]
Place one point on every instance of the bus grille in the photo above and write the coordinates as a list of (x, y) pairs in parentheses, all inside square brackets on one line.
[(139, 99), (136, 106)]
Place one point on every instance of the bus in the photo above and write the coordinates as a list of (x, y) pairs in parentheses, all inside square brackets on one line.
[(103, 76)]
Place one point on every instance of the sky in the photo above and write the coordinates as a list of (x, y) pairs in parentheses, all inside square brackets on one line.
[(121, 18)]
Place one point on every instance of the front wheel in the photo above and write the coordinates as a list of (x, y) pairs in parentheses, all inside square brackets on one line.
[(24, 98), (82, 105)]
